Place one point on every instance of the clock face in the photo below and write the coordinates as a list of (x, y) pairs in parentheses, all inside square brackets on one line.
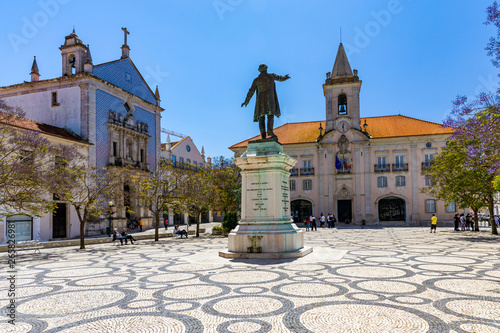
[(342, 126)]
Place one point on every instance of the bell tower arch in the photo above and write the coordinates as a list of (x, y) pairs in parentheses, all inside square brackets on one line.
[(73, 54), (341, 89)]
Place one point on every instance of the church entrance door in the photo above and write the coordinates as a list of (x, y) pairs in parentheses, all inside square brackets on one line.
[(344, 210), (300, 210), (392, 209), (59, 221)]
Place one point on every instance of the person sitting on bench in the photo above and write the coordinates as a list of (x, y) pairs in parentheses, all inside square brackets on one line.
[(128, 236), (177, 231), (116, 235)]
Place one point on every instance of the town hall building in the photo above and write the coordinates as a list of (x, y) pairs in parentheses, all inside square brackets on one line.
[(363, 170)]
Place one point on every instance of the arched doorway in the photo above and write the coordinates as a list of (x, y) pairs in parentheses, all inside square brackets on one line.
[(392, 209), (300, 210)]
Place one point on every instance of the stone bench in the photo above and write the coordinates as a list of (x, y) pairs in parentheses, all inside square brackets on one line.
[(29, 245)]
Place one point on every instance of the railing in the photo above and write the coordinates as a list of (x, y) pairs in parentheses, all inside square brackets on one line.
[(306, 171), (294, 172), (400, 167), (343, 170), (382, 167)]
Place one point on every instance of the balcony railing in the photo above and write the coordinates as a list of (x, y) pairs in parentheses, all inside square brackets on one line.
[(306, 171), (382, 167), (343, 170), (400, 167), (294, 172)]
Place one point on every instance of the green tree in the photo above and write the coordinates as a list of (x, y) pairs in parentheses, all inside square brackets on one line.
[(27, 164), (453, 180), (226, 180), (160, 190), (88, 189), (197, 192)]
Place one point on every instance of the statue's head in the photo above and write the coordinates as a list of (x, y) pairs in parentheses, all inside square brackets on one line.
[(262, 68)]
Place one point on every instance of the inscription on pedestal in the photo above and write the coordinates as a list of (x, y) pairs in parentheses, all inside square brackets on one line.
[(285, 200), (259, 196)]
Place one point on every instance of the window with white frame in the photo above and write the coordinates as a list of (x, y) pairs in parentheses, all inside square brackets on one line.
[(292, 185), (430, 206), (382, 181), (400, 181), (381, 162), (307, 184), (451, 207)]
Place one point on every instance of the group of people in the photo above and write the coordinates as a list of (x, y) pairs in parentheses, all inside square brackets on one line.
[(464, 222), (325, 221), (135, 223), (123, 236)]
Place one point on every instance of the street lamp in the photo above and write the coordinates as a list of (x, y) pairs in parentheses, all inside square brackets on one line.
[(110, 211)]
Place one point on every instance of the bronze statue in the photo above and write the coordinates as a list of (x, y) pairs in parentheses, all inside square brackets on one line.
[(266, 101)]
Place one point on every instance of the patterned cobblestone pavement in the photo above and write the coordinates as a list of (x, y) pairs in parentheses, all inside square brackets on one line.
[(356, 280)]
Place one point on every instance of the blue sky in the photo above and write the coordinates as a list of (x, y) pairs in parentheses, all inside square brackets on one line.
[(413, 56)]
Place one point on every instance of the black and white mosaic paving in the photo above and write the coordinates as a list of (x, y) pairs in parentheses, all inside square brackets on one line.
[(356, 280)]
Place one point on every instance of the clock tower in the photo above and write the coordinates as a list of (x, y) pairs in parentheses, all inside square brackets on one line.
[(341, 90)]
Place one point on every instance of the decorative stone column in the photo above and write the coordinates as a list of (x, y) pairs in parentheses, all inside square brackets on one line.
[(265, 230)]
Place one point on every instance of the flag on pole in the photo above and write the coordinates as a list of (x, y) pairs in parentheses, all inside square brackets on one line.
[(345, 164), (338, 165)]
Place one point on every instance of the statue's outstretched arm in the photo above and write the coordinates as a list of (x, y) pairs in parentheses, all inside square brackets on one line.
[(280, 78), (250, 94)]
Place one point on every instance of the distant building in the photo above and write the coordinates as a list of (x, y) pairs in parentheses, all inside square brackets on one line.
[(108, 105), (181, 153), (363, 170)]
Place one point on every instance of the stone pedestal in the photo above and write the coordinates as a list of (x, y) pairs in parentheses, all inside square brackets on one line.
[(265, 229)]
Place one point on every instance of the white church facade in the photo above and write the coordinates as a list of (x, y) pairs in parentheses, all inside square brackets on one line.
[(109, 106)]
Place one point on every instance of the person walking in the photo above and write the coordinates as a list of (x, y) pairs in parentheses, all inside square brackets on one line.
[(322, 220), (456, 221), (462, 222), (306, 222), (140, 224), (434, 220), (166, 224), (334, 219), (313, 224), (329, 220)]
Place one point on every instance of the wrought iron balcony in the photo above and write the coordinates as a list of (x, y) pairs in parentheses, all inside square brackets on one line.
[(400, 167), (294, 172), (343, 170), (306, 171), (382, 167)]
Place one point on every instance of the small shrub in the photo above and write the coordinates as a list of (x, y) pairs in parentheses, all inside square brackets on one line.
[(230, 221), (217, 229)]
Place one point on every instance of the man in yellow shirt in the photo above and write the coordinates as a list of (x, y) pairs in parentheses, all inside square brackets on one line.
[(434, 221)]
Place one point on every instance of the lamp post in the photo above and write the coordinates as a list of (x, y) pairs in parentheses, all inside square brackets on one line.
[(110, 212)]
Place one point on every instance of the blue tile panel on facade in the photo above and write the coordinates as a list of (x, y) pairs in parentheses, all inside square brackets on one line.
[(106, 102), (122, 73)]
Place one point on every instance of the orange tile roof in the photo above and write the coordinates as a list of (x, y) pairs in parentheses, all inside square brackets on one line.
[(36, 126), (378, 127)]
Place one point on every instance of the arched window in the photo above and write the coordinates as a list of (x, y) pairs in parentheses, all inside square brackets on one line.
[(342, 103)]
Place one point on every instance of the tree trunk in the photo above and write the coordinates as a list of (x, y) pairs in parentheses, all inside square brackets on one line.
[(157, 224), (198, 224), (82, 227), (476, 219), (491, 202)]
